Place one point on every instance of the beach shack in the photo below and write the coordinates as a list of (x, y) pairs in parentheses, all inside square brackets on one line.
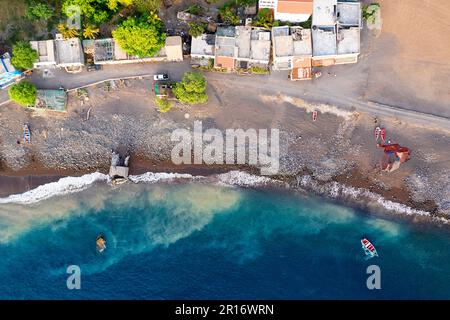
[(118, 171), (55, 100)]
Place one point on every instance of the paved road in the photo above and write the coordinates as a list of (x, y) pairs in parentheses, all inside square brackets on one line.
[(331, 88)]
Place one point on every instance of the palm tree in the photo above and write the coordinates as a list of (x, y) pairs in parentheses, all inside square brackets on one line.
[(90, 31), (67, 32)]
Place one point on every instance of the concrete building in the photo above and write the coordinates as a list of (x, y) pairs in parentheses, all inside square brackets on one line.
[(107, 51), (202, 47), (324, 13), (241, 47), (69, 54), (174, 48), (225, 48), (289, 10), (46, 52), (291, 48), (336, 32)]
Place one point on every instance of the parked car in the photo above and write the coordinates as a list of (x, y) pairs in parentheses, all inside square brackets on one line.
[(161, 77), (93, 67)]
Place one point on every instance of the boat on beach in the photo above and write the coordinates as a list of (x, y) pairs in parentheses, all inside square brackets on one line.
[(26, 134), (369, 248), (100, 243)]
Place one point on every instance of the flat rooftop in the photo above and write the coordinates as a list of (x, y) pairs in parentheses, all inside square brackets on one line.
[(324, 41), (324, 12), (203, 45), (349, 13), (292, 41), (243, 41), (226, 32), (45, 50), (348, 40), (69, 51), (225, 46), (104, 50), (302, 41), (260, 45)]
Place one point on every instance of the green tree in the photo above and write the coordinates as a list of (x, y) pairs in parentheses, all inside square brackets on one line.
[(23, 56), (67, 32), (192, 89), (39, 11), (97, 11), (142, 37), (228, 14), (24, 93), (113, 4), (144, 6), (196, 29)]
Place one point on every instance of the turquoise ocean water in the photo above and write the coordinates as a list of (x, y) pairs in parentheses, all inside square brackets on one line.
[(200, 241)]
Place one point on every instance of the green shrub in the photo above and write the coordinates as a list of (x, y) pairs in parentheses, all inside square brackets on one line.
[(163, 105), (196, 29), (23, 93), (192, 89), (23, 56)]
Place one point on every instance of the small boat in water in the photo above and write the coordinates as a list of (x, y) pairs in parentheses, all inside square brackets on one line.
[(369, 248), (100, 243), (314, 115)]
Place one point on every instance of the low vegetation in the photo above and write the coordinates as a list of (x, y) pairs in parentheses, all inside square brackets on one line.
[(23, 93), (23, 56), (265, 19), (163, 105), (370, 12), (196, 29), (228, 13), (141, 36), (192, 89), (194, 9)]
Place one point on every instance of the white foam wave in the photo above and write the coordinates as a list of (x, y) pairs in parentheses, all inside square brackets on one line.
[(61, 187), (243, 179), (153, 177), (340, 191)]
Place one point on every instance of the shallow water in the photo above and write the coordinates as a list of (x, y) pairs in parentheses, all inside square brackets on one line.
[(200, 241)]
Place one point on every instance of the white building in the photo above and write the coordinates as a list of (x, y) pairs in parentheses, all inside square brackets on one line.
[(46, 52)]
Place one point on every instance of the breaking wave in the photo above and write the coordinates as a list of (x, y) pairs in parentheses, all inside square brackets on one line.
[(153, 177), (63, 186), (243, 179), (336, 190)]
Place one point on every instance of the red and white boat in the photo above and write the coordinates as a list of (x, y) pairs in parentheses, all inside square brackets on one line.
[(383, 134), (377, 133), (369, 248)]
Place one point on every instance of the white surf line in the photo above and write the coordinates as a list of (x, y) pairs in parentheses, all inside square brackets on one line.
[(63, 186)]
